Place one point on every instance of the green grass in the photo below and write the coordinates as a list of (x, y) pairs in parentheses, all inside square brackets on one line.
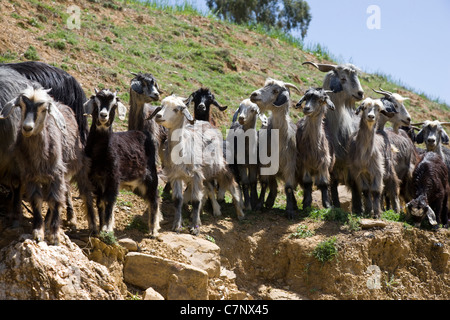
[(302, 232), (326, 250)]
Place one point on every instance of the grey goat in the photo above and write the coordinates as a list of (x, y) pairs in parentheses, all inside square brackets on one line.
[(48, 154), (342, 123), (275, 97), (315, 154)]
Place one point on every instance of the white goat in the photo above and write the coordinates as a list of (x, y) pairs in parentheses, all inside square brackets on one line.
[(366, 164), (194, 155)]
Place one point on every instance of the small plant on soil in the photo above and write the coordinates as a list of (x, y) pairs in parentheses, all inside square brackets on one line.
[(326, 250)]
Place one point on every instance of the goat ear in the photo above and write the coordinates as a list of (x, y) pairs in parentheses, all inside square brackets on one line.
[(136, 85), (264, 119), (88, 106), (282, 98), (299, 103), (188, 101), (387, 113), (219, 106), (359, 109), (121, 110), (431, 215), (335, 84), (444, 137), (330, 104), (389, 106), (58, 117), (419, 137), (8, 108), (236, 114), (188, 115)]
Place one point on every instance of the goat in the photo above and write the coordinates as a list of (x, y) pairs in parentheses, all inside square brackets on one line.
[(315, 155), (275, 97), (11, 84), (143, 90), (342, 123), (431, 189), (203, 99), (65, 88), (120, 160), (48, 153), (243, 137), (405, 155), (194, 155), (366, 163), (434, 136)]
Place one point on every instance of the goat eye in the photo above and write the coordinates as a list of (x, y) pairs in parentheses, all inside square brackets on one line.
[(175, 110), (343, 80), (275, 91)]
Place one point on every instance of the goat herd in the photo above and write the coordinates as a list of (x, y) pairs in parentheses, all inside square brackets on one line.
[(46, 144)]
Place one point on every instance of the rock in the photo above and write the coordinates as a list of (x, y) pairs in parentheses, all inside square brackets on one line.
[(369, 223), (112, 257), (279, 294), (174, 280), (152, 294), (129, 244), (200, 253), (32, 270)]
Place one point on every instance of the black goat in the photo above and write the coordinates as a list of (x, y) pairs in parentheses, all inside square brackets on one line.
[(65, 88), (431, 189), (203, 99), (120, 160)]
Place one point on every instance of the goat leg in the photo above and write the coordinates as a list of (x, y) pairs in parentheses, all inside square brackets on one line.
[(54, 222), (38, 221), (262, 196), (196, 222), (273, 190), (334, 192), (307, 195), (376, 199), (177, 196), (291, 203), (245, 191), (253, 196), (325, 195)]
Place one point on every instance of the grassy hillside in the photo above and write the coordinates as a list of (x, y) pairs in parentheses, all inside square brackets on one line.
[(182, 48)]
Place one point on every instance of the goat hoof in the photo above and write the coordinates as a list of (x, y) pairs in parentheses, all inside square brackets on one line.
[(38, 235), (195, 231), (290, 214)]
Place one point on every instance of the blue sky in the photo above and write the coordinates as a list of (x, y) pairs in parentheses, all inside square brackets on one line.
[(412, 44)]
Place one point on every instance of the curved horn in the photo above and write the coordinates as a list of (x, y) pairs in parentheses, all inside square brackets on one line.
[(154, 113), (417, 124), (215, 103), (444, 123), (133, 73), (299, 103), (384, 93), (290, 85), (321, 67)]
